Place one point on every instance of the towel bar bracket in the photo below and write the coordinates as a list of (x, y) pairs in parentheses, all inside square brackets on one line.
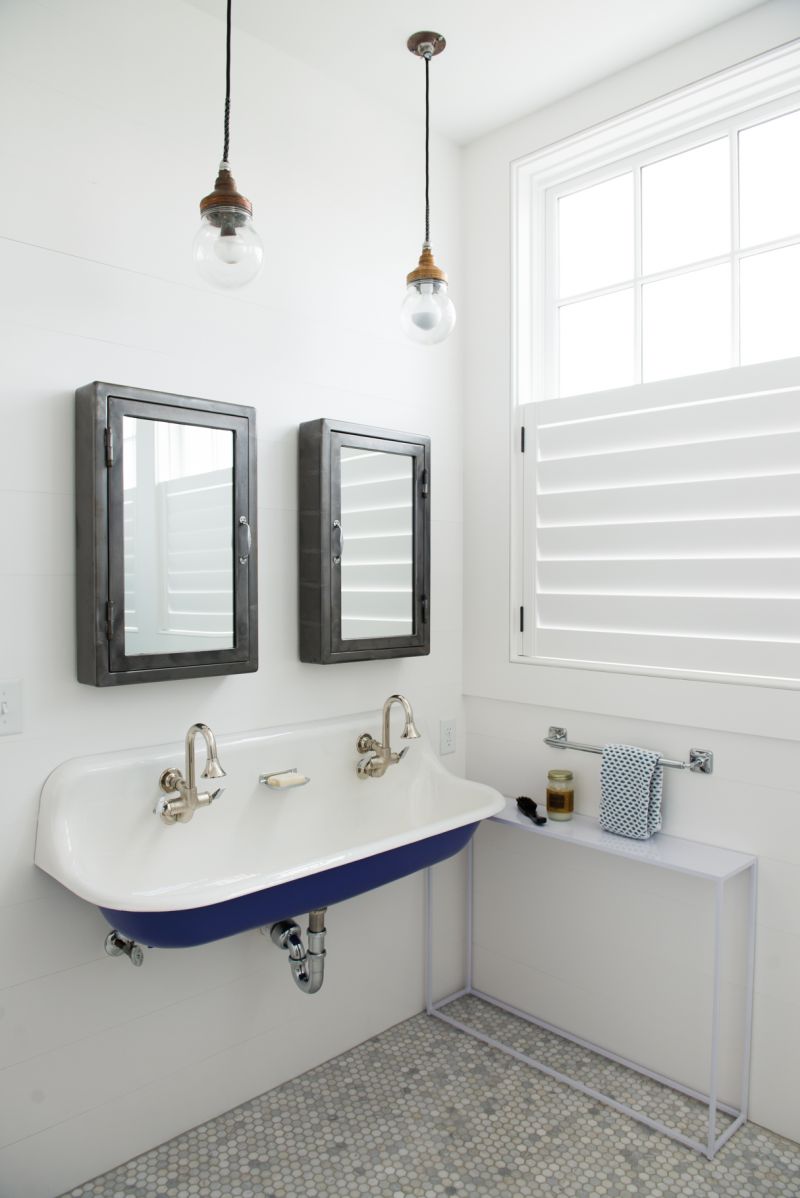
[(701, 761)]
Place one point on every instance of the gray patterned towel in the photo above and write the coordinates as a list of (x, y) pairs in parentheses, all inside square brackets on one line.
[(631, 782)]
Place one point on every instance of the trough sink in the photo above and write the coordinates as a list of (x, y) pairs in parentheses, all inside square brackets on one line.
[(256, 855)]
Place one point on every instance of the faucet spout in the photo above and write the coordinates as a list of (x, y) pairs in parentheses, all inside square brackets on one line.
[(213, 769), (410, 731)]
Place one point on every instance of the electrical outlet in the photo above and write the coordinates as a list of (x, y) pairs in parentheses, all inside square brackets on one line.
[(10, 706), (447, 737)]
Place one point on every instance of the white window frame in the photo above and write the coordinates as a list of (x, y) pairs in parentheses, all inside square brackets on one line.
[(633, 164), (768, 84)]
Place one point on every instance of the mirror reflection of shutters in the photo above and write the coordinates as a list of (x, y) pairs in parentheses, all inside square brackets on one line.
[(377, 504), (194, 523)]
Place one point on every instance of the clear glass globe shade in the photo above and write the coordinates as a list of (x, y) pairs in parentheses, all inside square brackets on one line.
[(427, 314), (227, 249)]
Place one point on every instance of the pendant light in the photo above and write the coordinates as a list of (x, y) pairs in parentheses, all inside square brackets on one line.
[(427, 314), (227, 249)]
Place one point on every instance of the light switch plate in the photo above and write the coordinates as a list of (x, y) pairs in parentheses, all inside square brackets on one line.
[(10, 706), (447, 737)]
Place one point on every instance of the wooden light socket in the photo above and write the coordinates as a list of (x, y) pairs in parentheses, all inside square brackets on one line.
[(225, 195), (427, 268)]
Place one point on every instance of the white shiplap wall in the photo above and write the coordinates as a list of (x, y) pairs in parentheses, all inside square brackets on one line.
[(114, 138)]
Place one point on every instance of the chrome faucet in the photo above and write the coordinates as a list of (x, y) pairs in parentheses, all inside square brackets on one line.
[(382, 755), (172, 781)]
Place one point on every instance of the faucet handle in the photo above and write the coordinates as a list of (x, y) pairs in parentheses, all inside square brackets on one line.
[(365, 767), (207, 797), (161, 805), (367, 744)]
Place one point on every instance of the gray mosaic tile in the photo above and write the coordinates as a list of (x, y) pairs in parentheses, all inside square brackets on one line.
[(617, 1081), (423, 1111)]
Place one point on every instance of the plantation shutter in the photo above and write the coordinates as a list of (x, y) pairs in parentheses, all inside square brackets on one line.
[(662, 524)]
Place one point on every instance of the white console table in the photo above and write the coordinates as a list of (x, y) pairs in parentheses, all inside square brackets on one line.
[(714, 865)]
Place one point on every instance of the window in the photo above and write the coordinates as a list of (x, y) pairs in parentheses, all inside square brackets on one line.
[(680, 262), (657, 380)]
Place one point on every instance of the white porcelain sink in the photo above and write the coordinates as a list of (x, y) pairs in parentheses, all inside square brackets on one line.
[(257, 854)]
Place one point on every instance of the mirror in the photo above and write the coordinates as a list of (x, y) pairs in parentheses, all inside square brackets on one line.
[(364, 543), (177, 484), (376, 543), (165, 493)]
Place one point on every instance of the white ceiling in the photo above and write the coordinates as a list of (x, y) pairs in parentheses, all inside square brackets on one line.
[(502, 60)]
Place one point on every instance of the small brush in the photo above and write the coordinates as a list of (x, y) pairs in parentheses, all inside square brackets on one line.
[(528, 808)]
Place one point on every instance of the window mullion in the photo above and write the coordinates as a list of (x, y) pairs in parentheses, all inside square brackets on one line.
[(637, 274), (736, 354), (685, 269), (552, 339), (766, 247)]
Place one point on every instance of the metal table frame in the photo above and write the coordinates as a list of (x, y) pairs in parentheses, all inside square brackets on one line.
[(713, 1142)]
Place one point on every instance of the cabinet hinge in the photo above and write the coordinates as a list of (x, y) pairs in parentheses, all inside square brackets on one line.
[(522, 619), (109, 620), (424, 486), (522, 439), (108, 441), (423, 606)]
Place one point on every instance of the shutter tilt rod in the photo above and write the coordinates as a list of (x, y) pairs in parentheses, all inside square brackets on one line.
[(701, 761)]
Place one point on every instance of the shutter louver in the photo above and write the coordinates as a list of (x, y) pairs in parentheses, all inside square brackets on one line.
[(668, 526)]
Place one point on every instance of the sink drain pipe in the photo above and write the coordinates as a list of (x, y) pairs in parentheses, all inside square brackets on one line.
[(307, 965)]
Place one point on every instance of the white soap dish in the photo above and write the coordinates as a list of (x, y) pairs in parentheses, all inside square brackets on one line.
[(284, 779)]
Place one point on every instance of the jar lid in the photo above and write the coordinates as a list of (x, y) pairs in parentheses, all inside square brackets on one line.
[(559, 775)]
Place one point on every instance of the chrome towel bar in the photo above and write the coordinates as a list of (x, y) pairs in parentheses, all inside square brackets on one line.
[(701, 761)]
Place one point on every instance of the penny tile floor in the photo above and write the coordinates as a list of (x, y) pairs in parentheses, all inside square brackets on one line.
[(423, 1111)]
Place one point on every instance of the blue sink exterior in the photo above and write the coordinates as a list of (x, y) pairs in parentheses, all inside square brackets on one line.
[(199, 925)]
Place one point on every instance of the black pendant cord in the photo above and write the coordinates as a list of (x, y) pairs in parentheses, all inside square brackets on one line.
[(227, 139), (427, 149)]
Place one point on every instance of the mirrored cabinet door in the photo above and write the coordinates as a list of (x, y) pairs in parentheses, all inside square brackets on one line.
[(364, 543), (176, 537), (170, 588)]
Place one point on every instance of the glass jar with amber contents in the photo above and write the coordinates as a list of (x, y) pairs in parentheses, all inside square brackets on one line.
[(560, 794)]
